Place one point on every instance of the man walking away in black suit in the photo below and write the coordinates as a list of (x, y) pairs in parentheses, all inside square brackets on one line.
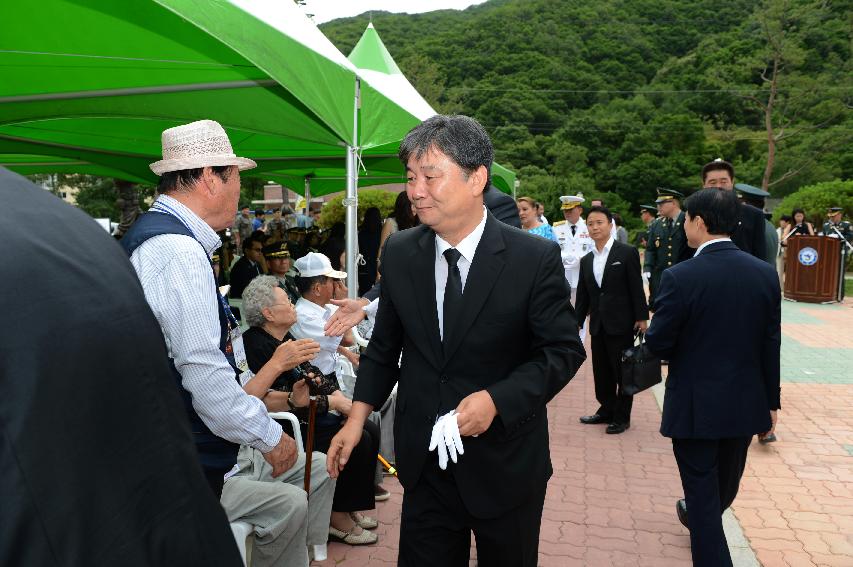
[(502, 206), (718, 323), (610, 289), (482, 315)]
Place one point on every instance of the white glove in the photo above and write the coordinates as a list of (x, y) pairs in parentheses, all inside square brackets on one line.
[(437, 442), (446, 439), (451, 436), (647, 275)]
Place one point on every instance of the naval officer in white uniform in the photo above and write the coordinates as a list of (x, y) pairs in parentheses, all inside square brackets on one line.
[(573, 238)]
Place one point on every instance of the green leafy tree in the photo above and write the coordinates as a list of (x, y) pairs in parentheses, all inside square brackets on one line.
[(334, 210), (816, 199)]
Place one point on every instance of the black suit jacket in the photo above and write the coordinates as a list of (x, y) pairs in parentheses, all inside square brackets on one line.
[(749, 235), (96, 457), (502, 206), (717, 321), (242, 273), (517, 338), (614, 307)]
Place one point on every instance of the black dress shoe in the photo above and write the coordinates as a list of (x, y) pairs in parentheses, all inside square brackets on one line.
[(614, 428), (593, 419), (681, 510)]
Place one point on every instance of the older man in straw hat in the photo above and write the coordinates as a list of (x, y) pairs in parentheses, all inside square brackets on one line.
[(170, 247)]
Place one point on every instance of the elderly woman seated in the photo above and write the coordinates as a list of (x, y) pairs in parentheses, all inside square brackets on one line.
[(270, 315)]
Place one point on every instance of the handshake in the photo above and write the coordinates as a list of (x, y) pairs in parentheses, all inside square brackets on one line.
[(446, 439)]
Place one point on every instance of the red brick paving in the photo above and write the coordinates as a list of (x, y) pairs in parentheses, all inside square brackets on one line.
[(795, 505), (591, 518)]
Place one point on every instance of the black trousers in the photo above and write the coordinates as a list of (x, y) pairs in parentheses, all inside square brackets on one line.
[(215, 480), (355, 489), (436, 527), (710, 470), (607, 373)]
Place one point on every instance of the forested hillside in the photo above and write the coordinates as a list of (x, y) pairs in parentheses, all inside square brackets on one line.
[(623, 96)]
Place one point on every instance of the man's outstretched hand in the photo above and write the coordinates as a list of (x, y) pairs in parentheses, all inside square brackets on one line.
[(350, 313), (341, 447)]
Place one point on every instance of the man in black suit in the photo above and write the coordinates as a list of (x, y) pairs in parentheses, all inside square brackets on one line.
[(481, 312), (718, 323), (502, 206), (610, 290), (246, 268), (97, 461), (749, 234)]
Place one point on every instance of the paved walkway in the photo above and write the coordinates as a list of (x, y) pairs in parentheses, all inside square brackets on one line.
[(795, 506)]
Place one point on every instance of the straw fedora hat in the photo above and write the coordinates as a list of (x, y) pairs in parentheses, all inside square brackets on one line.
[(198, 144)]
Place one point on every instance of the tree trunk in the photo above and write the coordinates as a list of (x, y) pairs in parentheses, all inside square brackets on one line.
[(768, 124)]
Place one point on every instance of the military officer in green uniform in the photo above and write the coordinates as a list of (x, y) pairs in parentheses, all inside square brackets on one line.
[(835, 227), (666, 238), (757, 198), (279, 262), (648, 214)]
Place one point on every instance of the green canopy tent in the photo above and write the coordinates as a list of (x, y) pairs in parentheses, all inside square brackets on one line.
[(97, 81), (376, 65)]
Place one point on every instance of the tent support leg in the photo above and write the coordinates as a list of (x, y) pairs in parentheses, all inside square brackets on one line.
[(351, 201)]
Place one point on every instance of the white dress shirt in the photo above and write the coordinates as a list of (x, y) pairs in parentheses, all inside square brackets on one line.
[(178, 283), (702, 246), (310, 324), (467, 248), (599, 260)]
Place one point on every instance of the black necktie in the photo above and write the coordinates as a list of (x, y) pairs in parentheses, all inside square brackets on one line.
[(452, 292), (574, 229)]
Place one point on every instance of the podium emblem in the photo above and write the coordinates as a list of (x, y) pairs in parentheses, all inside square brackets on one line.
[(807, 256)]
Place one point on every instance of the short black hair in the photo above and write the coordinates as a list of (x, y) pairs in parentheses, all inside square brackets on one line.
[(183, 179), (304, 285), (460, 138), (247, 242), (601, 209), (798, 210), (259, 212), (718, 165), (786, 218), (719, 209), (275, 210)]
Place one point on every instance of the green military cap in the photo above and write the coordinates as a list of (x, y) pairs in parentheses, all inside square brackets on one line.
[(276, 250), (665, 195), (745, 189), (651, 208)]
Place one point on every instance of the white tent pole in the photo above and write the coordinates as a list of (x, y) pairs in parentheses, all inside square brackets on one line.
[(351, 201), (307, 195)]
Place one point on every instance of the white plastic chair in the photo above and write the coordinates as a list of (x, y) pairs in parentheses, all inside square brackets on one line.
[(243, 531), (238, 304)]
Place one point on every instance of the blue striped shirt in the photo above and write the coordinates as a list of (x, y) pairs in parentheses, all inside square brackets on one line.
[(176, 277)]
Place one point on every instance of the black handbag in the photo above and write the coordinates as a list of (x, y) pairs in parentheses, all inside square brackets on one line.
[(640, 368)]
